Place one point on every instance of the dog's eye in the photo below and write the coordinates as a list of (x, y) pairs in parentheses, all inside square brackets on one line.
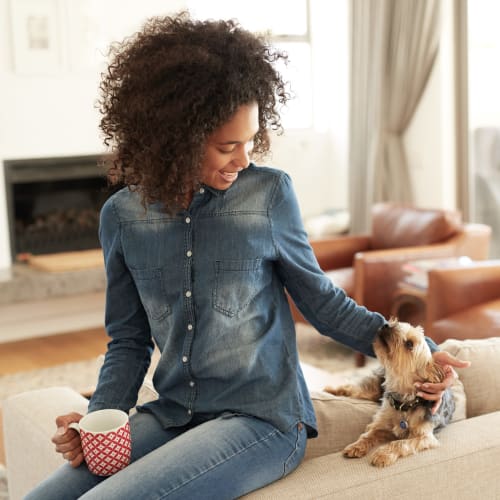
[(409, 345)]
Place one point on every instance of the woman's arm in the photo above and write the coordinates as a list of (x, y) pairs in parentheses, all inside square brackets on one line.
[(325, 306), (129, 351)]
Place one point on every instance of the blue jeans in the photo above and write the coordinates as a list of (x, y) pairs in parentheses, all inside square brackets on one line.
[(216, 458)]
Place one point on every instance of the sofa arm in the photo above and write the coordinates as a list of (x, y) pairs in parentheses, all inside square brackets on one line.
[(29, 423), (453, 290), (464, 466)]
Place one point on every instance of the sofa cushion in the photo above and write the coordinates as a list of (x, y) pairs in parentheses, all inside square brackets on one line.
[(464, 467), (395, 225), (340, 422), (482, 379)]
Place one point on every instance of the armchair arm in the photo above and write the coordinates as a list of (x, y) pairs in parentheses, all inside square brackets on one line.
[(334, 253), (453, 290), (378, 273), (473, 240)]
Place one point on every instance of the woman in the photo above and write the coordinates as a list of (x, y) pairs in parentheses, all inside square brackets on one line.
[(199, 248)]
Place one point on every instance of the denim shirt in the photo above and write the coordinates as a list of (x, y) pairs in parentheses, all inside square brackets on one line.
[(208, 287)]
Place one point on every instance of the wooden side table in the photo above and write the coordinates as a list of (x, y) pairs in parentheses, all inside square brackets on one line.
[(410, 299), (409, 304)]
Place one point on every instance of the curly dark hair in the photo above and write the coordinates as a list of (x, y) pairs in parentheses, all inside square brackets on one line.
[(171, 85)]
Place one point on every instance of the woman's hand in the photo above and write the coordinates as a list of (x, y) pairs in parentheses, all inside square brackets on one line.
[(68, 440), (434, 392)]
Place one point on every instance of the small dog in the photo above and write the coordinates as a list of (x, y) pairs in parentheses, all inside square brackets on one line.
[(404, 421)]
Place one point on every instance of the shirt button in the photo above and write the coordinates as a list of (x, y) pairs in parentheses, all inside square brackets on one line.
[(188, 293), (190, 327), (189, 253), (184, 359), (191, 384), (188, 220), (202, 190), (190, 412)]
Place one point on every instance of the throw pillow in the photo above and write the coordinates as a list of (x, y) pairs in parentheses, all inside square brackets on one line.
[(481, 380)]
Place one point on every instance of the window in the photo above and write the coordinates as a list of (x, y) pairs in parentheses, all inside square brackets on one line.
[(287, 23), (484, 114)]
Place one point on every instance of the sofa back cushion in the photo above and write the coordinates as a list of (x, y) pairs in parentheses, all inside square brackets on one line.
[(396, 226), (482, 379)]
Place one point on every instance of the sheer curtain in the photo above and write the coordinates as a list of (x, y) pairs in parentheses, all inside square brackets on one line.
[(393, 47)]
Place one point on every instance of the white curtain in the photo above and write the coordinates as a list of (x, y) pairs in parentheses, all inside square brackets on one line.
[(393, 47)]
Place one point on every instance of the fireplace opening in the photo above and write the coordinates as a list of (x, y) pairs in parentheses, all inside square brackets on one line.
[(54, 204)]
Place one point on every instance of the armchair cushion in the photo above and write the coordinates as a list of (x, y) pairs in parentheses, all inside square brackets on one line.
[(395, 226), (479, 321)]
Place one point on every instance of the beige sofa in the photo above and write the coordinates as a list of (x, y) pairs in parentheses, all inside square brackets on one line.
[(465, 466)]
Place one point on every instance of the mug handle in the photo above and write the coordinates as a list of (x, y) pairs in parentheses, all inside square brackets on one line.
[(74, 425)]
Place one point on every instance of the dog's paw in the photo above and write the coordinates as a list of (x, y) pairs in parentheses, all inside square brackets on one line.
[(343, 390), (383, 457), (356, 450)]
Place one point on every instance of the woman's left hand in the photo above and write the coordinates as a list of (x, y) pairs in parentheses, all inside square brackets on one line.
[(434, 392)]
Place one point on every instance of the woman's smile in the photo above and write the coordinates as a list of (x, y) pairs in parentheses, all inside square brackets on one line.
[(228, 149)]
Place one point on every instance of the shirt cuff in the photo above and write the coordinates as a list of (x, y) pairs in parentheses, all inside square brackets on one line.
[(432, 345)]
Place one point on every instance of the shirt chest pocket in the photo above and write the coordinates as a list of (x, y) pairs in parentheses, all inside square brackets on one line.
[(237, 283), (151, 287)]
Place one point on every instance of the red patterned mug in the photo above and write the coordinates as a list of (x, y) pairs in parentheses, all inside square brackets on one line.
[(106, 445)]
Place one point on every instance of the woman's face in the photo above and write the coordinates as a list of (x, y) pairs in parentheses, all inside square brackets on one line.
[(228, 149)]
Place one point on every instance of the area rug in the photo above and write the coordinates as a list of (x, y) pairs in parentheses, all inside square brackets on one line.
[(79, 375)]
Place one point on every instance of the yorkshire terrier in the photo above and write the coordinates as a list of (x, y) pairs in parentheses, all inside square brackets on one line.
[(404, 424)]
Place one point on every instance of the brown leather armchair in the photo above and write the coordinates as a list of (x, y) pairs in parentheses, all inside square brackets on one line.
[(370, 267), (464, 303)]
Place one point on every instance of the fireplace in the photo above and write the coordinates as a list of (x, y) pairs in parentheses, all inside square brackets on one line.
[(53, 204)]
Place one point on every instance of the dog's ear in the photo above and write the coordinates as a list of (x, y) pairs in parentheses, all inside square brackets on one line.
[(393, 321)]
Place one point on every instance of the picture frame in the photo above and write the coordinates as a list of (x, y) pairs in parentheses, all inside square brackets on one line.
[(36, 36)]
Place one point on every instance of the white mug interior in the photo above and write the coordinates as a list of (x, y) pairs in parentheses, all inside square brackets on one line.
[(103, 421)]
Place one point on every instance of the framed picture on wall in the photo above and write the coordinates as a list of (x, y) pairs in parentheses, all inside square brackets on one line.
[(36, 37)]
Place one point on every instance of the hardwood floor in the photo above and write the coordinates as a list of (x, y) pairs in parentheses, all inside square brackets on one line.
[(42, 352)]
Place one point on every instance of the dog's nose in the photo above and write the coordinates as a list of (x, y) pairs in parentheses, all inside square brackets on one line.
[(384, 334)]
